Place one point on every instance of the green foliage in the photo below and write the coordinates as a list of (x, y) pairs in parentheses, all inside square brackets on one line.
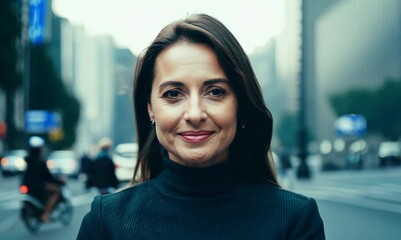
[(10, 79), (287, 129), (48, 92), (388, 108), (9, 31), (380, 107)]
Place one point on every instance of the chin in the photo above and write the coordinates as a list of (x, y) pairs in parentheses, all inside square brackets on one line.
[(195, 161), (200, 160)]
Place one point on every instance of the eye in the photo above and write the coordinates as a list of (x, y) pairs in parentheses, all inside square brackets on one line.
[(172, 94), (217, 92)]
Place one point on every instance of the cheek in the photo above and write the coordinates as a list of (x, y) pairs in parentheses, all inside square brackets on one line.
[(166, 118), (226, 118)]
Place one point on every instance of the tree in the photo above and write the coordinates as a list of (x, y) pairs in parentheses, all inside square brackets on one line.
[(287, 130), (10, 79), (388, 117), (47, 92), (380, 107)]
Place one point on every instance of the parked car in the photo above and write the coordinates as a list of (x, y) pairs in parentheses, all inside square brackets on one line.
[(389, 153), (64, 163), (13, 162), (124, 158)]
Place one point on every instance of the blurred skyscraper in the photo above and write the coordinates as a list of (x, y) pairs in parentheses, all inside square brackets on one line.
[(92, 67), (348, 44)]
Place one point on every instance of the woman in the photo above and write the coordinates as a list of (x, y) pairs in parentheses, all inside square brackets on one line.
[(204, 137)]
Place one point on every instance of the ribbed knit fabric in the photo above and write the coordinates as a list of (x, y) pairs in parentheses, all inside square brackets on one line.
[(202, 203)]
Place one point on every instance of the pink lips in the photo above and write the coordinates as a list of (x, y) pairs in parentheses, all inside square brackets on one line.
[(195, 136)]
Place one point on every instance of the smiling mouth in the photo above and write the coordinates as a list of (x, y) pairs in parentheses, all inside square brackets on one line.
[(196, 137)]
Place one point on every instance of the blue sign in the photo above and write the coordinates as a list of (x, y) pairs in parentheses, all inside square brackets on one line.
[(37, 121), (351, 125), (37, 21)]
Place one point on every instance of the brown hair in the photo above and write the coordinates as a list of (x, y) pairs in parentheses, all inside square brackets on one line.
[(251, 146)]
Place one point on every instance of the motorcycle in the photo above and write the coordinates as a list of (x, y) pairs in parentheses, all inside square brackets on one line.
[(33, 207)]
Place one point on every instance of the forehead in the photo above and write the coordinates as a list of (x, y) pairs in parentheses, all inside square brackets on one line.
[(185, 51), (184, 59)]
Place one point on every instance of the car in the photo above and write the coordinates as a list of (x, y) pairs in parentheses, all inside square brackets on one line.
[(63, 163), (13, 162), (124, 158), (389, 153)]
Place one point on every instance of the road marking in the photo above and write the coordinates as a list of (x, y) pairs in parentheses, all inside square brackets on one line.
[(354, 197), (367, 203)]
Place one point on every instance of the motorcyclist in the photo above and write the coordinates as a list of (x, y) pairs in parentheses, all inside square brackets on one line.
[(41, 183)]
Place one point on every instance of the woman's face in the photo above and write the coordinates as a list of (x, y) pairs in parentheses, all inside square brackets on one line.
[(193, 105)]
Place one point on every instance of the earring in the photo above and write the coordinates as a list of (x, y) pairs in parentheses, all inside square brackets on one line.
[(243, 124), (152, 121)]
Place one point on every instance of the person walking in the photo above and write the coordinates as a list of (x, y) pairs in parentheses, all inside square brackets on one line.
[(101, 172)]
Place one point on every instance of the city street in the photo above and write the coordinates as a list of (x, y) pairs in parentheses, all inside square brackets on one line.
[(353, 204), (357, 204), (11, 226)]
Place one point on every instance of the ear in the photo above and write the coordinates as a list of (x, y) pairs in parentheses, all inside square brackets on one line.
[(150, 112)]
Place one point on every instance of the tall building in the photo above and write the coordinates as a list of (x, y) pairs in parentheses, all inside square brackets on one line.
[(123, 109), (347, 44), (100, 74)]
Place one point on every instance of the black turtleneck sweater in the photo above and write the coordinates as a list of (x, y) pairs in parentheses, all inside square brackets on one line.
[(202, 203)]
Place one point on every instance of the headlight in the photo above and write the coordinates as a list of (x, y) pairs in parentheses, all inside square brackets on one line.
[(20, 163)]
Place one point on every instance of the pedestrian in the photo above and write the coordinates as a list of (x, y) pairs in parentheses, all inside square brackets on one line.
[(284, 166), (204, 137), (101, 173), (85, 162)]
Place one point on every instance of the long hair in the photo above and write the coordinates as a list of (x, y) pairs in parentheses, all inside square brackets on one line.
[(251, 145)]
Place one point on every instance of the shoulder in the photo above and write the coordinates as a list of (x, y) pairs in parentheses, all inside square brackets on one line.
[(291, 197), (276, 192), (124, 201), (126, 194), (295, 211), (287, 203), (301, 213), (108, 211)]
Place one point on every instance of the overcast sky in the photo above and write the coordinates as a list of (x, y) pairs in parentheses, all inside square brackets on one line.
[(135, 23)]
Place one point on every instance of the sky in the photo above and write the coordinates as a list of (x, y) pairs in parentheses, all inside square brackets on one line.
[(135, 23)]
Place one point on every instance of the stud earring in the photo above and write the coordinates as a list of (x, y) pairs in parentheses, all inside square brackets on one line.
[(243, 124), (152, 121)]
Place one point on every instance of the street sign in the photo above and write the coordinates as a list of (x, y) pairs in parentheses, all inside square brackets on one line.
[(38, 121), (351, 125), (37, 21)]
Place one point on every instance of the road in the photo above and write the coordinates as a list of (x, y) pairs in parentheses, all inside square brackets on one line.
[(11, 227), (353, 204), (357, 204)]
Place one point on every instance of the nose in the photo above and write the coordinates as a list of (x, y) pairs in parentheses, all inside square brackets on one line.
[(195, 112)]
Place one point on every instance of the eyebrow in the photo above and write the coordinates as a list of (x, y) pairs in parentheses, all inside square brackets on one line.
[(207, 82)]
